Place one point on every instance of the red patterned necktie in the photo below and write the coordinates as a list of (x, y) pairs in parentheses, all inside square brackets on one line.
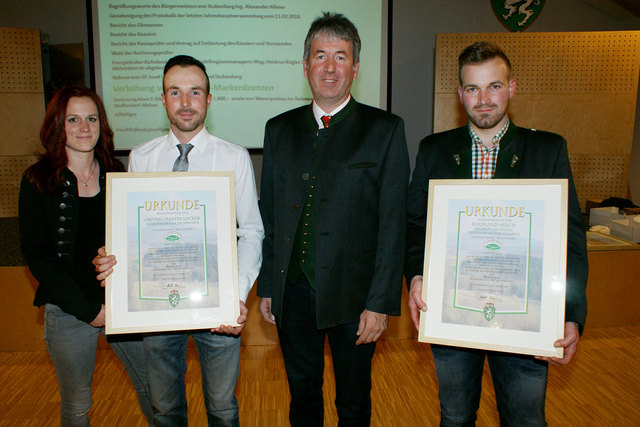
[(325, 121)]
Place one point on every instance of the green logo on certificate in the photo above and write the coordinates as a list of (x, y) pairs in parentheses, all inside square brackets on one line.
[(174, 298), (172, 237), (492, 246), (489, 311)]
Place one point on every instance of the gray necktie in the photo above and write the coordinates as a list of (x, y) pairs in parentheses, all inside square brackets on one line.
[(182, 163)]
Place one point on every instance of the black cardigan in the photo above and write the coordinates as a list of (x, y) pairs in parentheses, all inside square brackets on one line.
[(48, 233)]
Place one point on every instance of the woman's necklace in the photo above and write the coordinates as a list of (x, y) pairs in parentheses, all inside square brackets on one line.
[(85, 183)]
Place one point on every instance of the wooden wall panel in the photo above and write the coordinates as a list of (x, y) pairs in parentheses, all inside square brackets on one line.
[(21, 321), (12, 168), (22, 115), (599, 176), (21, 109), (20, 65), (580, 85), (613, 294)]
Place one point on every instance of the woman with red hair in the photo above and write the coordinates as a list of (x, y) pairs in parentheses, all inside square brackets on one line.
[(62, 225)]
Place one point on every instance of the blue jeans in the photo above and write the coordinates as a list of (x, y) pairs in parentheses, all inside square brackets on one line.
[(520, 384), (166, 354), (72, 347), (302, 345)]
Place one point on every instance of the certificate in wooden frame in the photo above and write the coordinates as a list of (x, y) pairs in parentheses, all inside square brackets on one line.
[(495, 265), (174, 236)]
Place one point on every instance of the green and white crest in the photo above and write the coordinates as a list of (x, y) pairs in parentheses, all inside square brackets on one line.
[(517, 15), (174, 298), (489, 311)]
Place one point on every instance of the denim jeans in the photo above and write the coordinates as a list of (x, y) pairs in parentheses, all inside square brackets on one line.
[(72, 347), (302, 347), (520, 384), (166, 354)]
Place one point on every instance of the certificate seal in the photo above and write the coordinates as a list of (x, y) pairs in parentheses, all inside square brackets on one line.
[(173, 237), (174, 298), (489, 311), (492, 246)]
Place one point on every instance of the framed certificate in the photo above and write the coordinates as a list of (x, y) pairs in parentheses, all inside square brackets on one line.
[(495, 265), (174, 237)]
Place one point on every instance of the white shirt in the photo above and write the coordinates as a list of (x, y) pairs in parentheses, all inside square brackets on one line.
[(210, 153), (319, 112)]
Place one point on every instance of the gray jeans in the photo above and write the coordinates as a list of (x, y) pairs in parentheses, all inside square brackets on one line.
[(72, 347)]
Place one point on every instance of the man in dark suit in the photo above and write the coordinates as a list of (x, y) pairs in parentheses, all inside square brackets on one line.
[(491, 146), (332, 199)]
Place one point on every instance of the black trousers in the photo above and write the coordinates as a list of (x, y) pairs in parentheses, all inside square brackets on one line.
[(302, 345)]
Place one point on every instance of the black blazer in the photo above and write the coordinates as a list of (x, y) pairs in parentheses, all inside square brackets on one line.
[(361, 175), (523, 153)]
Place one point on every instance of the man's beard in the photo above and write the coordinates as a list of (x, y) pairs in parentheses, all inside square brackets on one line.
[(187, 126), (486, 120)]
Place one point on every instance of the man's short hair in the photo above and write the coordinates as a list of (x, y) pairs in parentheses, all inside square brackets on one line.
[(185, 61), (336, 25), (478, 53)]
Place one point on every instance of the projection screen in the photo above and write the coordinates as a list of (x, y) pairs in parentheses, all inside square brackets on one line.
[(252, 51)]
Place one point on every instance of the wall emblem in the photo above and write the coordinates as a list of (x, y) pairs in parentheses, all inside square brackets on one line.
[(517, 15)]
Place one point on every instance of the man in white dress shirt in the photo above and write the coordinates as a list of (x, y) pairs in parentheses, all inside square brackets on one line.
[(186, 99)]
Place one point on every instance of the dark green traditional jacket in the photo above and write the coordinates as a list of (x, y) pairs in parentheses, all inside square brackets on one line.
[(523, 153), (361, 167)]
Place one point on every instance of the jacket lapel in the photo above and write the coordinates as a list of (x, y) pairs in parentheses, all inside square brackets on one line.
[(460, 158), (510, 155)]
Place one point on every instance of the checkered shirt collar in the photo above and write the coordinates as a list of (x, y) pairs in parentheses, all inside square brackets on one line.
[(496, 138), (483, 159)]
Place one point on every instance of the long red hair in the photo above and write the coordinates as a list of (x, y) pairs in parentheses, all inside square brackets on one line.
[(48, 173)]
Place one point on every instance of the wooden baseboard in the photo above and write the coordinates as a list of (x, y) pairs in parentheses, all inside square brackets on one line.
[(612, 294), (21, 323)]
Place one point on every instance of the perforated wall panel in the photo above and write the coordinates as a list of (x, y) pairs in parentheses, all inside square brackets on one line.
[(12, 169), (21, 110), (20, 64)]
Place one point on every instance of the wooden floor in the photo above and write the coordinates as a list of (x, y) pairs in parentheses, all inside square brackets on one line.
[(600, 388)]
